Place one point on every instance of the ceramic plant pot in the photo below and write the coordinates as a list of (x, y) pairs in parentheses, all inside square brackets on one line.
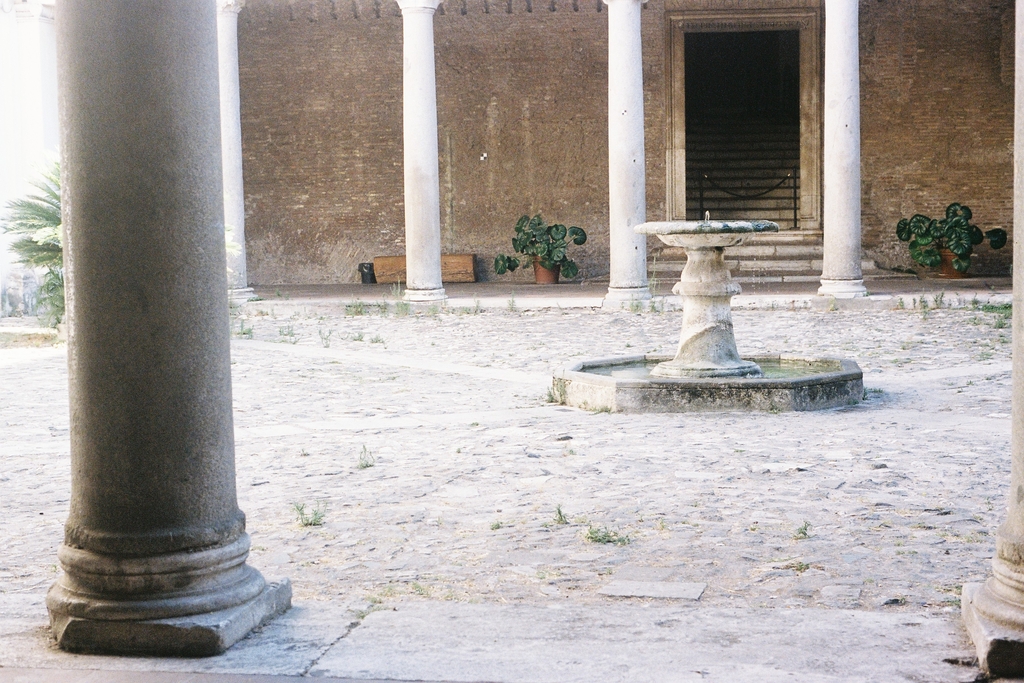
[(946, 269), (545, 276)]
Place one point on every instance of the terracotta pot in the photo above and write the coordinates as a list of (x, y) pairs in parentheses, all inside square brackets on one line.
[(946, 269), (543, 276)]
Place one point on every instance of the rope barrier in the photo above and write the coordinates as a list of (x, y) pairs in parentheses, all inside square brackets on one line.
[(746, 196)]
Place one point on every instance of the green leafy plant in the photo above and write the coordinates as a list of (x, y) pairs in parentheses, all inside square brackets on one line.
[(543, 243), (955, 232), (605, 535), (560, 517), (35, 221), (314, 517), (366, 459)]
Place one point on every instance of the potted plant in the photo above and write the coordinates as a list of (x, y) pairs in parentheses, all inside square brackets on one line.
[(947, 242), (545, 248)]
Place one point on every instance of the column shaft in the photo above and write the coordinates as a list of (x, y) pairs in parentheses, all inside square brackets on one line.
[(627, 187), (422, 184), (231, 144), (841, 274), (155, 545)]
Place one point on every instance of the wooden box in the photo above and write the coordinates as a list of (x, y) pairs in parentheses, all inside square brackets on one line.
[(454, 268)]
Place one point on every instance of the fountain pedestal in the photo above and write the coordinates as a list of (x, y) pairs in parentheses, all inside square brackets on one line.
[(707, 346)]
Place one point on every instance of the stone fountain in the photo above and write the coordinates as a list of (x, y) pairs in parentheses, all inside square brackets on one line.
[(707, 371)]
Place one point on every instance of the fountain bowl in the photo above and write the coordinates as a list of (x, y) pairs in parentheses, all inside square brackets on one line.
[(790, 383)]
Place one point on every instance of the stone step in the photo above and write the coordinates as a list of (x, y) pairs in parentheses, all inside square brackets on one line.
[(752, 251), (754, 265), (767, 277), (751, 150), (759, 173), (766, 139), (722, 207), (716, 159)]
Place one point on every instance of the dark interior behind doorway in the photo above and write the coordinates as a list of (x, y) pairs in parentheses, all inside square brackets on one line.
[(743, 125)]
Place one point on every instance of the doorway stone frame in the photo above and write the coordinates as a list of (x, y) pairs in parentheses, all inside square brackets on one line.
[(707, 16)]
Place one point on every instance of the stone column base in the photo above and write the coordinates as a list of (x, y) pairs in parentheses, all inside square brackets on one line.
[(200, 635), (425, 295), (240, 295), (1000, 646), (842, 289), (620, 297)]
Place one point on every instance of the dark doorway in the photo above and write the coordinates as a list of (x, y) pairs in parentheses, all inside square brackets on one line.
[(743, 125)]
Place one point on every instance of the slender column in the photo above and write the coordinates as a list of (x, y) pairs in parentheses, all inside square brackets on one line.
[(231, 146), (419, 110), (155, 548), (627, 184), (994, 611), (841, 275)]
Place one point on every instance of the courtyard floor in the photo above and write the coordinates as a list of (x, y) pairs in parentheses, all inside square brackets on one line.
[(471, 530)]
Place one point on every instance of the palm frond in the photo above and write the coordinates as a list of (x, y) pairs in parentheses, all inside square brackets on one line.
[(36, 219)]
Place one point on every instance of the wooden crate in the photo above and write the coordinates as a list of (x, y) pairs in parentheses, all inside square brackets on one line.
[(454, 268)]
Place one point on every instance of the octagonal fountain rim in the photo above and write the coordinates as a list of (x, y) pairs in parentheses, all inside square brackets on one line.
[(842, 370)]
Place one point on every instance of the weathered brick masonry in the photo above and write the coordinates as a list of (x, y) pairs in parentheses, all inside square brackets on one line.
[(936, 117), (525, 82)]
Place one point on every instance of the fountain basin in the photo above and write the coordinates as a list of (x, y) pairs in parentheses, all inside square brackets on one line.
[(790, 383)]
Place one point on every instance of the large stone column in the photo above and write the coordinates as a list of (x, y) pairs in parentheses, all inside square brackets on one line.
[(994, 611), (422, 184), (841, 274), (231, 146), (627, 185), (155, 548)]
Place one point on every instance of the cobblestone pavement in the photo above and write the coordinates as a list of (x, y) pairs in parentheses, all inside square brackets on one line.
[(443, 473)]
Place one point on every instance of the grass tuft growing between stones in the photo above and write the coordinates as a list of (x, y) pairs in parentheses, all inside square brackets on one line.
[(314, 517), (366, 459), (605, 535), (560, 517)]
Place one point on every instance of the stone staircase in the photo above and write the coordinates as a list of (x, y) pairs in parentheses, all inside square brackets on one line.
[(750, 158), (743, 170), (787, 256)]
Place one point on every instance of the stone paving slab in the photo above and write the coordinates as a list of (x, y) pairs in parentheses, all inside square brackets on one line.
[(636, 641), (646, 643), (654, 589), (287, 646)]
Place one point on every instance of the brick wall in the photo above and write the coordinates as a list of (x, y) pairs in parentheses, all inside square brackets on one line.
[(936, 118), (525, 81)]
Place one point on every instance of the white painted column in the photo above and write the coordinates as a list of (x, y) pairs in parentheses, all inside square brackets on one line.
[(419, 110), (994, 611), (841, 274), (627, 183), (231, 146)]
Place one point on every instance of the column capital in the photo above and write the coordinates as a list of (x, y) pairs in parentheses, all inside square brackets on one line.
[(608, 2), (418, 6), (230, 6)]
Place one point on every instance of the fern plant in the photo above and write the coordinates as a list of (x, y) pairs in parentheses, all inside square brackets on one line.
[(955, 232), (35, 221)]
